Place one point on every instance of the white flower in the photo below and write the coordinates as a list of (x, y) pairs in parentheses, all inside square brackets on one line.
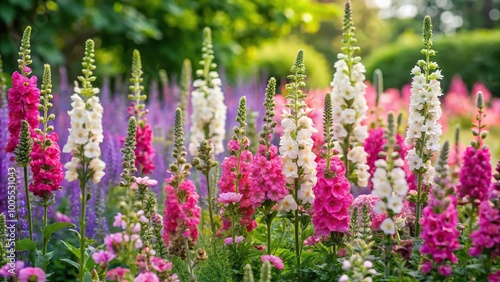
[(339, 131), (348, 116), (381, 163), (414, 161), (288, 204), (367, 264), (395, 204), (380, 207), (304, 137), (78, 115), (381, 189), (399, 162), (306, 122), (344, 278), (361, 133), (400, 187), (290, 168), (357, 155), (92, 150), (388, 226), (415, 70), (288, 125), (307, 159), (288, 147), (346, 265), (306, 195), (79, 135)]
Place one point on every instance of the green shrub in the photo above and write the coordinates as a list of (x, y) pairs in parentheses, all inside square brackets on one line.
[(475, 56), (276, 58)]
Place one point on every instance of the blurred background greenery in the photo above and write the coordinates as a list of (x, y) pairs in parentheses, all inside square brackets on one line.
[(257, 37)]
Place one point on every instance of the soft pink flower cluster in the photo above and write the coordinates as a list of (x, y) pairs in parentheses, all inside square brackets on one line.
[(374, 144), (487, 237), (276, 261), (227, 184), (333, 199), (23, 274), (475, 174), (267, 181), (46, 166), (440, 234), (144, 151), (182, 213), (24, 98)]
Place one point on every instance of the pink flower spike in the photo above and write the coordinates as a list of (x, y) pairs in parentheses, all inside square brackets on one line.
[(117, 273), (229, 198), (103, 257), (276, 261), (31, 274)]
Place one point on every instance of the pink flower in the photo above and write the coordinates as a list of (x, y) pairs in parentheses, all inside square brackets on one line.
[(144, 151), (233, 145), (445, 270), (32, 274), (119, 221), (238, 239), (24, 98), (494, 277), (312, 240), (103, 257), (147, 277), (229, 198), (160, 265), (182, 213), (487, 237), (475, 174), (333, 199), (146, 181), (117, 273), (426, 266), (227, 185), (6, 270), (113, 242), (267, 181), (276, 261), (46, 166), (62, 217)]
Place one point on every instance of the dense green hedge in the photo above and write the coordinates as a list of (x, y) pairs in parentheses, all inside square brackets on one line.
[(475, 56)]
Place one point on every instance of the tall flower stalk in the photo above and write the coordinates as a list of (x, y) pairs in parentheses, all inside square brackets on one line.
[(182, 214), (23, 102), (84, 139), (267, 182), (425, 110), (390, 186), (46, 154), (209, 111), (144, 150), (349, 105), (235, 181), (299, 165)]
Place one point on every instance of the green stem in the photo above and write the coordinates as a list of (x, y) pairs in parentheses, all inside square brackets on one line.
[(419, 205), (82, 225), (209, 196), (192, 277), (45, 240), (387, 266), (297, 243), (28, 201), (269, 222)]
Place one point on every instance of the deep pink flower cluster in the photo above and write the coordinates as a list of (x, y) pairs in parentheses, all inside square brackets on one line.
[(440, 234), (475, 174), (276, 261), (267, 180), (24, 98), (227, 184), (144, 151), (333, 199), (374, 144), (46, 167), (182, 213), (487, 237)]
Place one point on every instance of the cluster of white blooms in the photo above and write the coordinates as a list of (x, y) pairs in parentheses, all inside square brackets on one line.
[(390, 186), (85, 135), (209, 113), (358, 269), (297, 157), (349, 110), (423, 127)]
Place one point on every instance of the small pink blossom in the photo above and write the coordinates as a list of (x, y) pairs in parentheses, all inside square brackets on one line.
[(117, 273), (32, 274), (160, 265), (147, 277), (276, 261), (146, 181), (238, 239), (119, 221), (62, 218), (103, 257), (229, 198)]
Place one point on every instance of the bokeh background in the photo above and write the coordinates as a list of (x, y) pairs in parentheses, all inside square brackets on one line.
[(257, 37)]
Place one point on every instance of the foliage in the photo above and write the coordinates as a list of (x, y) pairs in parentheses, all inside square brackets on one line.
[(478, 52)]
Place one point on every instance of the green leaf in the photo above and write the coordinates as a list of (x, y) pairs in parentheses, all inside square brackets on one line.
[(72, 249), (73, 263), (50, 229), (87, 277), (40, 260), (25, 245)]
